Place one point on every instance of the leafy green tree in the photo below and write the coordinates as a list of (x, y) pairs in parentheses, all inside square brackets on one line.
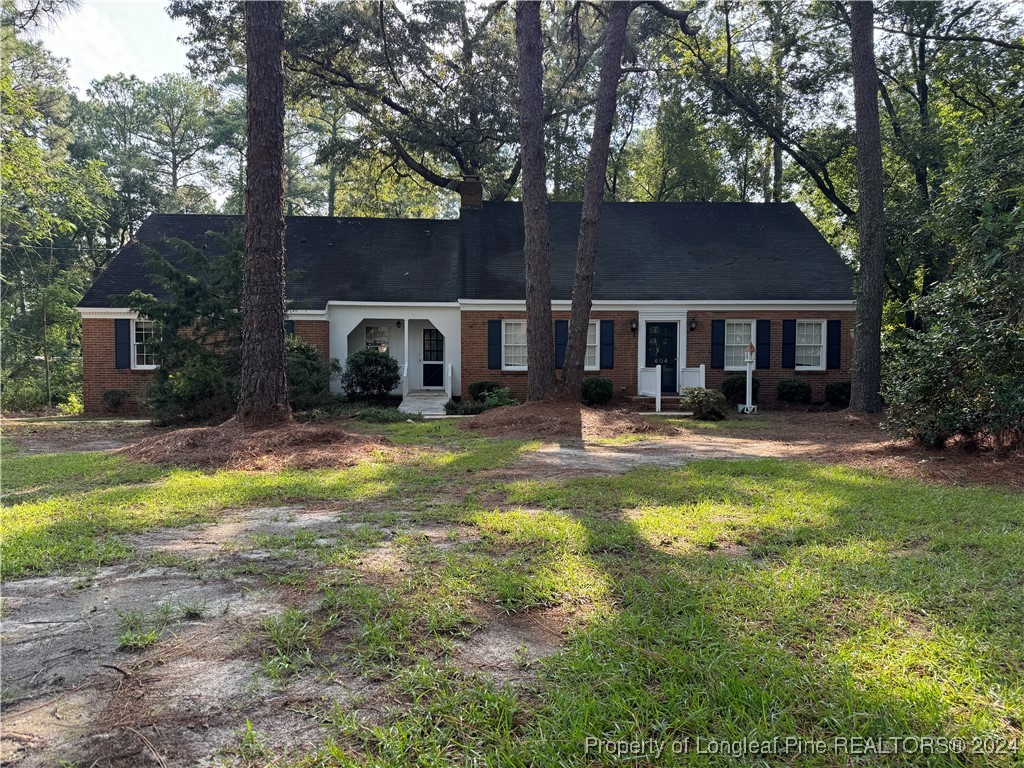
[(50, 206)]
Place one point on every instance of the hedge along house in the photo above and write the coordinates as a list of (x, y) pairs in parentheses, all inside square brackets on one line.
[(686, 286)]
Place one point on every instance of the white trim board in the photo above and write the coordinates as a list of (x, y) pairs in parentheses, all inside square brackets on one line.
[(475, 305), (106, 313)]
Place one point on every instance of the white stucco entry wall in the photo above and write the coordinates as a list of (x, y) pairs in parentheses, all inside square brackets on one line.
[(406, 341)]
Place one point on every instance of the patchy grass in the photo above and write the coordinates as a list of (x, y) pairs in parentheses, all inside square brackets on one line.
[(725, 600), (74, 509)]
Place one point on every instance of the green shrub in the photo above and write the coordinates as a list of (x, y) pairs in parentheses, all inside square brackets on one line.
[(735, 389), (115, 399), (309, 374), (838, 394), (370, 374), (337, 408), (960, 375), (597, 390), (794, 391), (496, 398), (706, 404), (72, 406), (465, 408), (200, 388), (478, 389), (375, 414)]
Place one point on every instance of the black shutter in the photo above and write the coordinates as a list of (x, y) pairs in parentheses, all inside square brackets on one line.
[(835, 343), (561, 339), (289, 327), (607, 344), (789, 343), (764, 344), (122, 343), (494, 344), (718, 343)]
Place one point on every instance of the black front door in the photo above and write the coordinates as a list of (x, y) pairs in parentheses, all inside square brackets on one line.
[(663, 350), (433, 358)]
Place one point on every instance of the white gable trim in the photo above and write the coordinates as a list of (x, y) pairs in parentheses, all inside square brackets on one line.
[(106, 313)]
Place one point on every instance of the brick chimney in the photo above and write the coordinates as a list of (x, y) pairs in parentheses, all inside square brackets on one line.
[(472, 191)]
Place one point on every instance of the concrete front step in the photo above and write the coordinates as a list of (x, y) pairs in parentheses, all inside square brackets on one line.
[(429, 403)]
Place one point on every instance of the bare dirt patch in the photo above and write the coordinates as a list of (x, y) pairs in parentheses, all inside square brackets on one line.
[(70, 694), (507, 647), (231, 446), (561, 419), (73, 437)]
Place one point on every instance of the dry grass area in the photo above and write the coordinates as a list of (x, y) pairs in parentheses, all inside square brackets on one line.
[(855, 440), (561, 420), (231, 446)]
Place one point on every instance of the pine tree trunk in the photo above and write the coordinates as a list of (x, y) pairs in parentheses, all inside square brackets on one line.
[(866, 383), (540, 350), (263, 390), (593, 194)]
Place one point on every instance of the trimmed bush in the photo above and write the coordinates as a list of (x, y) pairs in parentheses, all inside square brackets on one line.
[(378, 415), (706, 404), (478, 389), (370, 374), (838, 394), (496, 398), (309, 374), (337, 408), (465, 408), (597, 390), (794, 391), (115, 399), (735, 389)]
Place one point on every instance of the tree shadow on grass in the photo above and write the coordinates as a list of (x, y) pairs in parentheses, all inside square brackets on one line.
[(872, 611), (748, 601)]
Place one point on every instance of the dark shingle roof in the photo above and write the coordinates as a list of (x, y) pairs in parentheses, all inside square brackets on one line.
[(394, 260), (669, 251), (648, 251)]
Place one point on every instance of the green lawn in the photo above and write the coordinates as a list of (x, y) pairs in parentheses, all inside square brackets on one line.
[(725, 600)]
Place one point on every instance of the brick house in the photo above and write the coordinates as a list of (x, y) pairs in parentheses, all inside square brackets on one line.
[(686, 286)]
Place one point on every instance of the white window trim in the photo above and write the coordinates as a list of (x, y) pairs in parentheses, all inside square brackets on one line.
[(597, 354), (753, 333), (824, 346), (505, 367), (135, 366)]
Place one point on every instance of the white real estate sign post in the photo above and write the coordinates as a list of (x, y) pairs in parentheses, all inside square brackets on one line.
[(749, 357)]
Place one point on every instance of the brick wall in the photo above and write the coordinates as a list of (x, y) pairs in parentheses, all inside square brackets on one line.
[(474, 352), (99, 372), (698, 350), (315, 332)]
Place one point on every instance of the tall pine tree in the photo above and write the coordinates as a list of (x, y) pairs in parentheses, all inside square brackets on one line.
[(867, 343), (263, 389)]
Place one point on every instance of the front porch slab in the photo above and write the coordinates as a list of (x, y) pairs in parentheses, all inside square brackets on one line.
[(429, 403)]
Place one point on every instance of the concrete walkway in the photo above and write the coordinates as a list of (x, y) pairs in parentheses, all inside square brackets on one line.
[(430, 403)]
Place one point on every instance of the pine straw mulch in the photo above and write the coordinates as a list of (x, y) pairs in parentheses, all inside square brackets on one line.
[(562, 419), (284, 446), (857, 440)]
